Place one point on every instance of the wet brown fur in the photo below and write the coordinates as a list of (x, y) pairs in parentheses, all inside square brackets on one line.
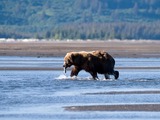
[(93, 62)]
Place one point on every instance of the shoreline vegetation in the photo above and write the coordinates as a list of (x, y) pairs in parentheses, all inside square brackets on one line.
[(80, 19)]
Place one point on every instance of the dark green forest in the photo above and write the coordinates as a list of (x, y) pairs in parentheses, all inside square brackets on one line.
[(80, 19)]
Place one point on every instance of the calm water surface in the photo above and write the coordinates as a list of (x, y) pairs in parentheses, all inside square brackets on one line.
[(43, 95)]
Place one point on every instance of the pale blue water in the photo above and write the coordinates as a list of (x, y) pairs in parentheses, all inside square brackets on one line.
[(42, 95)]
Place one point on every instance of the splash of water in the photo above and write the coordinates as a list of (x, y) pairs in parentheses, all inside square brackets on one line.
[(65, 77), (62, 77)]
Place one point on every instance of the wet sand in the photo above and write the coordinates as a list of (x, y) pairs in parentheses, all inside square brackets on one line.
[(124, 92), (118, 107), (127, 107), (60, 48), (61, 68)]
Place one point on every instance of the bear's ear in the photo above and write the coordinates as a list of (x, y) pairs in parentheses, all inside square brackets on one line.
[(106, 55)]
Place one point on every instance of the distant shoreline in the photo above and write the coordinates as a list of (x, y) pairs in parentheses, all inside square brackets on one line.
[(117, 48)]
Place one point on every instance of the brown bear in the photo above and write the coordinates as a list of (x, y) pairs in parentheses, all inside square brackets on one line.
[(93, 62)]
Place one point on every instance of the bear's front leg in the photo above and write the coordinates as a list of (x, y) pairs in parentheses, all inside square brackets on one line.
[(94, 75), (75, 71)]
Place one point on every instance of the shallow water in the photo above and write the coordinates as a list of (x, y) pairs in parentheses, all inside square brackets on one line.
[(43, 95)]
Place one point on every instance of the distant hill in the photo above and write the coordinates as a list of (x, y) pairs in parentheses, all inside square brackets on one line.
[(80, 19)]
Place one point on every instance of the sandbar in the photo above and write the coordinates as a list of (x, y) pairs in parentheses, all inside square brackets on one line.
[(136, 49)]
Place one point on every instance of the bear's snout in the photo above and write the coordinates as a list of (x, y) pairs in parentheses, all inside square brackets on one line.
[(64, 65), (67, 64)]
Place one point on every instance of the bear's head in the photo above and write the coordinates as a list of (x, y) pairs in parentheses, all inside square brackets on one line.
[(68, 60), (74, 58)]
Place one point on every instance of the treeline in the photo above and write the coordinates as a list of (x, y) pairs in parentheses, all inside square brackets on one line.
[(105, 31), (80, 19), (102, 31)]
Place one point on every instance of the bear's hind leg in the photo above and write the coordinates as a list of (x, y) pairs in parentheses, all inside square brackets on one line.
[(116, 74), (106, 76)]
